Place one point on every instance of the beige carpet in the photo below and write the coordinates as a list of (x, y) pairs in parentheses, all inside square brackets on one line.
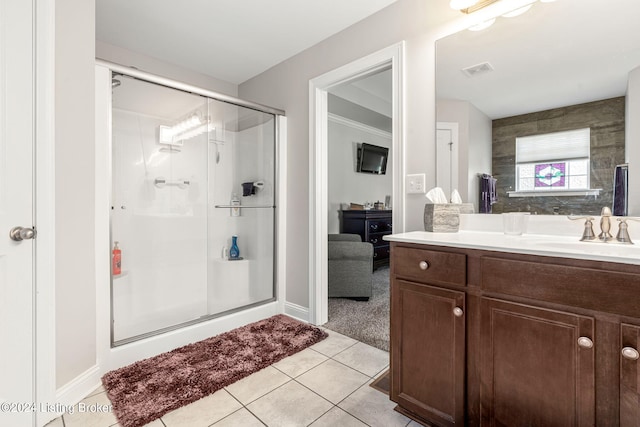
[(365, 321)]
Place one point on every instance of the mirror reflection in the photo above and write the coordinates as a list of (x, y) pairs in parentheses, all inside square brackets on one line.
[(512, 98)]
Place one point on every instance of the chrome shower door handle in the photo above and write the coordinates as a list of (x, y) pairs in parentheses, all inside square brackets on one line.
[(22, 233)]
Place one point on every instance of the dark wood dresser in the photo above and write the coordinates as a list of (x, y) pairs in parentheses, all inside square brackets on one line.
[(371, 225)]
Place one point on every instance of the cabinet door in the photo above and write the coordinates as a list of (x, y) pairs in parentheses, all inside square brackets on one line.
[(630, 376), (428, 351), (537, 366)]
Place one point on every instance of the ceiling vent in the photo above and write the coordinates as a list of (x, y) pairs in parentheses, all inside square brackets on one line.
[(476, 70)]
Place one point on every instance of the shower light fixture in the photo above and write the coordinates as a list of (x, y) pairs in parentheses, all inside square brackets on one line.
[(188, 128)]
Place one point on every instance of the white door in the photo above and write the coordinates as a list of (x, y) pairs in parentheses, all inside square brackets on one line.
[(447, 157), (16, 209)]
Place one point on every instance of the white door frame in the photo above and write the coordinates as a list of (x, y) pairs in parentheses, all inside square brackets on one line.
[(452, 157), (45, 272), (318, 163)]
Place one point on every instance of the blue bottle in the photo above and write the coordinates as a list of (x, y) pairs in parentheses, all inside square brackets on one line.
[(234, 251)]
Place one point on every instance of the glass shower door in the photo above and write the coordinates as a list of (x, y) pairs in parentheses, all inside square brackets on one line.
[(190, 175), (242, 178), (159, 207)]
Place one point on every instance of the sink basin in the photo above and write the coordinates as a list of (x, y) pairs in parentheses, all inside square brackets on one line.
[(593, 247)]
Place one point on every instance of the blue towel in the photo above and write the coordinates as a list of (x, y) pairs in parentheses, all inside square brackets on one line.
[(488, 193), (620, 190)]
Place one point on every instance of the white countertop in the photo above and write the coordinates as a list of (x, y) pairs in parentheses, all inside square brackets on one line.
[(532, 244)]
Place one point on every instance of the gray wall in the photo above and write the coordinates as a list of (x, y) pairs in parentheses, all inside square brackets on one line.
[(286, 86), (345, 184), (75, 188), (606, 119), (358, 113), (122, 56)]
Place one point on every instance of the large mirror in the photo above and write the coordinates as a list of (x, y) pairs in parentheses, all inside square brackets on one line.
[(560, 66)]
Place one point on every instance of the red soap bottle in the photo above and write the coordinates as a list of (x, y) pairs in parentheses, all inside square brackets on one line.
[(116, 260)]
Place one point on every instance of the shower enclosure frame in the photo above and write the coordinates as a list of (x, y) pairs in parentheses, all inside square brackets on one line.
[(145, 345)]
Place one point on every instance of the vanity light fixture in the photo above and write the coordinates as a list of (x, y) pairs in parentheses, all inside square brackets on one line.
[(469, 6)]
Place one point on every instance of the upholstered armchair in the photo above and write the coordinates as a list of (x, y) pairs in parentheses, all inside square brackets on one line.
[(350, 267)]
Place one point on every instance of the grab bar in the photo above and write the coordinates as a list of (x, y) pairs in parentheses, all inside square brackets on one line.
[(161, 182)]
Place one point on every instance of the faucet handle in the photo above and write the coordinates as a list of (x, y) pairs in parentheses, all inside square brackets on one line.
[(588, 233), (623, 232)]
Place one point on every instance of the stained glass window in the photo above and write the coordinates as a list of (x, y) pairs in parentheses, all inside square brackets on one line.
[(553, 162)]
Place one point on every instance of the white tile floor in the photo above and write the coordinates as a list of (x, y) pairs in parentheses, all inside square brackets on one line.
[(326, 384)]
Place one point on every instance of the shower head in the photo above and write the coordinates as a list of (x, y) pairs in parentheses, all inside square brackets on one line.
[(115, 83)]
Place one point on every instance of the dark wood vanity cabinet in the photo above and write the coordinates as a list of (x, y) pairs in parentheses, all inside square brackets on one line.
[(425, 325), (629, 376), (537, 366), (483, 338)]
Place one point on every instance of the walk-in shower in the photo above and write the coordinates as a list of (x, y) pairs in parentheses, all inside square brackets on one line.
[(188, 173)]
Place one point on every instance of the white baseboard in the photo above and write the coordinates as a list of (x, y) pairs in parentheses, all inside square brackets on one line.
[(79, 388), (297, 311)]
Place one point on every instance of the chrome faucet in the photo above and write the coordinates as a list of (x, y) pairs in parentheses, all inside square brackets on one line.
[(605, 228), (605, 225), (587, 234), (623, 232)]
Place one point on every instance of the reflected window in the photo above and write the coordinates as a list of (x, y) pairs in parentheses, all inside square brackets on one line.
[(553, 161)]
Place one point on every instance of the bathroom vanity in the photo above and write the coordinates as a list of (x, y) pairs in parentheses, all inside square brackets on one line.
[(488, 329)]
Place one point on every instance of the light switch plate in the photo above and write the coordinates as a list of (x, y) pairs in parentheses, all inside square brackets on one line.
[(415, 183)]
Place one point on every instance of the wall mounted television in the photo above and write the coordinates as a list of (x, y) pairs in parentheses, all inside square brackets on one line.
[(372, 159)]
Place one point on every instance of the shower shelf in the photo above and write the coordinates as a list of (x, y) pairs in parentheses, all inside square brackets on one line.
[(244, 206)]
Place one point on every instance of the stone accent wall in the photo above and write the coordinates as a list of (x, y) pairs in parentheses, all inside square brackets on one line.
[(606, 119)]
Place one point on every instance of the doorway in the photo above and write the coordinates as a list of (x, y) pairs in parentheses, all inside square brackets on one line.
[(319, 89)]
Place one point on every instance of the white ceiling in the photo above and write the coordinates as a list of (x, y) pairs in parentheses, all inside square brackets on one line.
[(557, 54), (232, 40)]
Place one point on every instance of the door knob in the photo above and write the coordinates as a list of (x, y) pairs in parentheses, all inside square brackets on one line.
[(22, 233), (630, 353)]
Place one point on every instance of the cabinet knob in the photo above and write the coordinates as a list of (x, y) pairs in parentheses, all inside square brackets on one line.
[(458, 312), (374, 226), (630, 353), (424, 265), (374, 241), (585, 342)]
